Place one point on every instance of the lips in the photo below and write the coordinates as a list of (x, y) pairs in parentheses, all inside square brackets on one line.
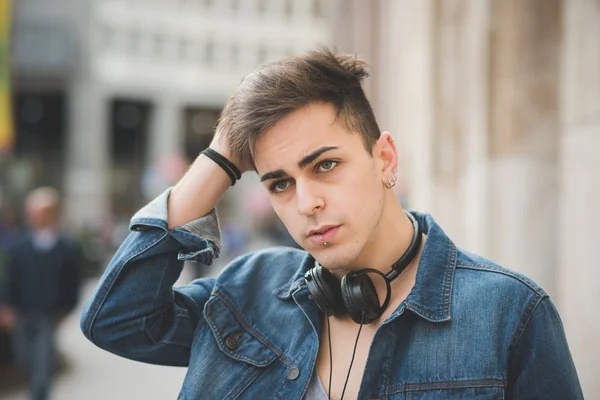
[(323, 234), (321, 230)]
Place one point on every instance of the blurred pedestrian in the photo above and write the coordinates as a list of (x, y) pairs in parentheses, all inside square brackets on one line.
[(42, 278)]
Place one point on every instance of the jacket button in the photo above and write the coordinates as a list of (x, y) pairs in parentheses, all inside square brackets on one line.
[(293, 373), (232, 342)]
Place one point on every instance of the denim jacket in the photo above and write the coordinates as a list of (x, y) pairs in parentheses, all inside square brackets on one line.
[(469, 329)]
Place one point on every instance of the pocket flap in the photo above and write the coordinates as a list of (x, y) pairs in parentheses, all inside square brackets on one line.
[(233, 339)]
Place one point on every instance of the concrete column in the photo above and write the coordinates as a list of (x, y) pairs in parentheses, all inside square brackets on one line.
[(578, 232), (473, 184), (88, 155), (357, 31), (165, 133), (165, 162), (460, 143), (406, 98), (525, 55)]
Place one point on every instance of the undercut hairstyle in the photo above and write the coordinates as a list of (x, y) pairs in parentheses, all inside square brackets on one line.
[(281, 87)]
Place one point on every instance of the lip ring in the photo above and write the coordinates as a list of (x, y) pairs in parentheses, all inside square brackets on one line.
[(325, 239)]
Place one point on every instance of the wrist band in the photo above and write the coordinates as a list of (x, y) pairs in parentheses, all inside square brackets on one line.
[(218, 159), (231, 165)]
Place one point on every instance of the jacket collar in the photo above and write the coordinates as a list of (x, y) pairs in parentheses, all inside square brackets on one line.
[(285, 292), (431, 297)]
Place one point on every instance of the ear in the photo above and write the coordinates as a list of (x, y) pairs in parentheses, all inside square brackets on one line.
[(385, 151)]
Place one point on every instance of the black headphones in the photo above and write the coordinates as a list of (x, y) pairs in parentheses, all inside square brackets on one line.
[(356, 293)]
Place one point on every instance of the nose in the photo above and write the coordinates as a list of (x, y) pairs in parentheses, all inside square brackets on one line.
[(309, 201)]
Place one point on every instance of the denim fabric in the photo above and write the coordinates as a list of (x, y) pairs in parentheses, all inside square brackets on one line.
[(468, 329)]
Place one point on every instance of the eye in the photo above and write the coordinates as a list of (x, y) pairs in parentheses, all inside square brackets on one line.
[(327, 165), (279, 186)]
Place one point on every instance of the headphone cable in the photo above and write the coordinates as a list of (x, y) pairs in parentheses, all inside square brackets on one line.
[(362, 321), (330, 358)]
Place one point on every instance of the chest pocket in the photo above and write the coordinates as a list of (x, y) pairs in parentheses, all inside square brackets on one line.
[(477, 390), (238, 342)]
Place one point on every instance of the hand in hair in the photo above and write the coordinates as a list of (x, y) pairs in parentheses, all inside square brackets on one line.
[(220, 143)]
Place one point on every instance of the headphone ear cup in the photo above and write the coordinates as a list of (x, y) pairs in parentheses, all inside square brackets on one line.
[(325, 290), (359, 295)]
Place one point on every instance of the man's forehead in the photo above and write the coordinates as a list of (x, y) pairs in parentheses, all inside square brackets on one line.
[(280, 157), (300, 134)]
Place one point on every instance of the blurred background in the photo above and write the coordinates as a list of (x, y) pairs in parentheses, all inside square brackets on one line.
[(494, 105)]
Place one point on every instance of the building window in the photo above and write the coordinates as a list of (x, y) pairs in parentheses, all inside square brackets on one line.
[(288, 8), (317, 9), (235, 54), (159, 44), (121, 40), (261, 6), (107, 38), (209, 52), (134, 42), (263, 54), (184, 49)]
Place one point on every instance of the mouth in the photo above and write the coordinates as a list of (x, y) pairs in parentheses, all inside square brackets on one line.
[(323, 234)]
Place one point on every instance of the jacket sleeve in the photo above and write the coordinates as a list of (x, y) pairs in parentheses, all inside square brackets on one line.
[(540, 363), (135, 311)]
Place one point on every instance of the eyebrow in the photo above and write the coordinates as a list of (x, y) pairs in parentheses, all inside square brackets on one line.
[(306, 160)]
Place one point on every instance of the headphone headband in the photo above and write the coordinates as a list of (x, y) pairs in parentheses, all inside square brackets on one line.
[(411, 251)]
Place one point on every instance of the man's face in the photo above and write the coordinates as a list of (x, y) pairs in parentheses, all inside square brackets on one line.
[(41, 215), (323, 184)]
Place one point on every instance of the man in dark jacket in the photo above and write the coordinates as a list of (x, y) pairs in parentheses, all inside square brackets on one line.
[(42, 287)]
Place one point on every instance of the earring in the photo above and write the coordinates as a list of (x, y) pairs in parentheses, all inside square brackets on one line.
[(391, 182)]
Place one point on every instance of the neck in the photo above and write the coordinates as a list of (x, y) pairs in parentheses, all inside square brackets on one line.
[(390, 241), (387, 245)]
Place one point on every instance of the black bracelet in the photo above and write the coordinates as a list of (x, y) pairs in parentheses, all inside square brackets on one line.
[(231, 165), (220, 163)]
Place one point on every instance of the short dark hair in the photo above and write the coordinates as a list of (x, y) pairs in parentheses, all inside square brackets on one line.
[(278, 88)]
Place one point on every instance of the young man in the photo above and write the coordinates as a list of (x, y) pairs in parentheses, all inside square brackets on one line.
[(454, 324)]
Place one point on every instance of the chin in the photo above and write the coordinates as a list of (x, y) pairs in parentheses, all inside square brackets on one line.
[(335, 258)]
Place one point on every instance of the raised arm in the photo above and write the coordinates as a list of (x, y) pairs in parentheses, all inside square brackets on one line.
[(197, 193), (135, 312)]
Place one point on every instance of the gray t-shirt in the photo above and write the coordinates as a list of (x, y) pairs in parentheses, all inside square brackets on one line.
[(315, 389)]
